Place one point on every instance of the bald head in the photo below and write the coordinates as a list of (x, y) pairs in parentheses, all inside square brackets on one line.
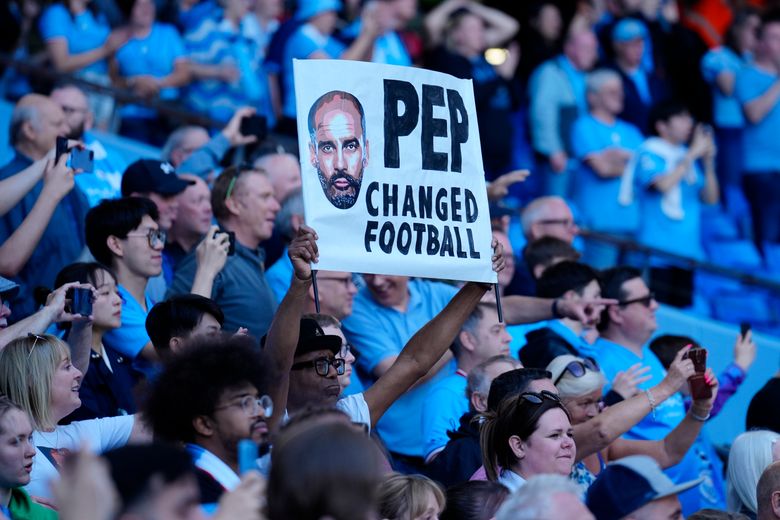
[(284, 172), (548, 217), (768, 493), (35, 124), (182, 143), (74, 105)]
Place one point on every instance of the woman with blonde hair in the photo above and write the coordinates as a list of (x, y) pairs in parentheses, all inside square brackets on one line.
[(36, 372), (580, 385), (750, 454), (410, 497)]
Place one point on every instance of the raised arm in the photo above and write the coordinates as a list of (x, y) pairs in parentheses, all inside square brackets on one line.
[(757, 109), (601, 431), (529, 309), (428, 345), (671, 449), (283, 335), (14, 188)]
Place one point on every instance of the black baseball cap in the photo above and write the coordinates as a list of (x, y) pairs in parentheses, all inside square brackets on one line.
[(312, 338), (152, 176)]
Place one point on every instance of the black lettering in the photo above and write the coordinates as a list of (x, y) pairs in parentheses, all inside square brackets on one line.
[(441, 204), (398, 124), (404, 243), (446, 242), (390, 200), (433, 240), (459, 128), (370, 206), (456, 204), (431, 127), (408, 209), (370, 236), (472, 211), (385, 242), (425, 194), (473, 253), (419, 229), (459, 251)]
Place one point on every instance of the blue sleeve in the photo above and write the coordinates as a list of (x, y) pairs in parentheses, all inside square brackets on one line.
[(206, 159), (301, 46), (173, 39), (746, 87), (55, 22), (712, 64), (649, 167), (583, 139), (361, 329), (131, 337), (442, 410)]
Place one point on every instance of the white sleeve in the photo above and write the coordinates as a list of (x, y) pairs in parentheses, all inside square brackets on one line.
[(356, 407), (104, 434)]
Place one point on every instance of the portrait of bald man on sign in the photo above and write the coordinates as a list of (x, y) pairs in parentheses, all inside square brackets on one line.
[(339, 148)]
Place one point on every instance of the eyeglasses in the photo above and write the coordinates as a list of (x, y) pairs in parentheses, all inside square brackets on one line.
[(539, 397), (565, 222), (36, 338), (344, 281), (579, 368), (154, 236), (346, 350), (322, 365), (645, 300), (251, 405)]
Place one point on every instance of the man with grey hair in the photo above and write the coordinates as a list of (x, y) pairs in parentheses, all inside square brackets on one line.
[(545, 497), (548, 216), (768, 493), (461, 456), (182, 143), (35, 124), (605, 147)]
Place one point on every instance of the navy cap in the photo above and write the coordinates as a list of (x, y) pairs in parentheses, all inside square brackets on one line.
[(628, 484), (151, 176), (312, 338), (628, 29), (8, 288)]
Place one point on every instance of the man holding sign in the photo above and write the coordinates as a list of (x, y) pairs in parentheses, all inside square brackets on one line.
[(338, 148)]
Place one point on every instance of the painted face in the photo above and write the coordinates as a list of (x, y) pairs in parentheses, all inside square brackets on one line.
[(65, 385), (107, 307), (16, 449), (549, 449), (340, 151)]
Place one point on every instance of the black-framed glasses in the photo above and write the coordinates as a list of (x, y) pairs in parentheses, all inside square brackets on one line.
[(154, 236), (35, 338), (251, 405), (342, 281), (346, 350), (645, 300), (578, 368), (538, 398), (322, 365)]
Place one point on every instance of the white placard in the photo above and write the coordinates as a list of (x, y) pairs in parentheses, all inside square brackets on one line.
[(393, 180)]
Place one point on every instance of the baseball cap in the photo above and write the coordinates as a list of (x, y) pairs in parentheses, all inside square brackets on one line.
[(628, 484), (628, 29), (8, 289), (310, 8), (152, 176), (312, 338)]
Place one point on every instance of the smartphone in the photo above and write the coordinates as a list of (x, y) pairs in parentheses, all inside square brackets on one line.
[(255, 125), (247, 456), (80, 300), (82, 159), (232, 245), (62, 147), (744, 328)]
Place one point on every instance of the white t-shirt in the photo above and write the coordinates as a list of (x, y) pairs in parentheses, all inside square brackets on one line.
[(98, 435), (356, 407)]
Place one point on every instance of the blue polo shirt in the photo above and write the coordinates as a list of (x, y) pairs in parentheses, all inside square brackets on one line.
[(700, 460), (83, 32), (378, 332), (130, 338), (443, 407), (727, 112), (656, 229), (760, 152), (62, 241), (154, 55), (595, 196), (304, 42)]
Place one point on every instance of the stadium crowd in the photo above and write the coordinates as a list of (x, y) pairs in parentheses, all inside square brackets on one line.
[(164, 354)]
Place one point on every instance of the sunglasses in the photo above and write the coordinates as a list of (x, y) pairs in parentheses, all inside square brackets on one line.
[(645, 300), (35, 338), (579, 368), (538, 398), (322, 365)]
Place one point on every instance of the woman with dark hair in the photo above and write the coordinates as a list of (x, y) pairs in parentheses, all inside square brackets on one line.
[(107, 387), (474, 500), (529, 434)]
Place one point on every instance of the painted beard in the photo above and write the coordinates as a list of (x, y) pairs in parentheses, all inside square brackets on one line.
[(341, 198)]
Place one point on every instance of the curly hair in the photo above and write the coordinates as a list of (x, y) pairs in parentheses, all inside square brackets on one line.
[(192, 383)]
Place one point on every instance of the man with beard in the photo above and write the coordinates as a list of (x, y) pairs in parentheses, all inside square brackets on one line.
[(338, 148), (105, 180)]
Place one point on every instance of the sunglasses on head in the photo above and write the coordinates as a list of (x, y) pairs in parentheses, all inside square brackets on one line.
[(538, 398), (578, 368)]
